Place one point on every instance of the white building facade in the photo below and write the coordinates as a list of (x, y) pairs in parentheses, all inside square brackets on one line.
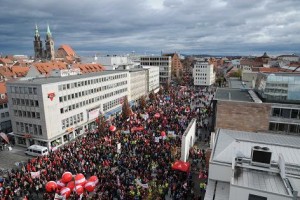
[(138, 84), (203, 73), (52, 111), (164, 64), (153, 78)]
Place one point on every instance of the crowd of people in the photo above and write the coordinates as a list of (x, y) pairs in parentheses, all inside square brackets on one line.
[(141, 169)]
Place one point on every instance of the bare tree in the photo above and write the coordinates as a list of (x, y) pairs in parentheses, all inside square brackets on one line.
[(142, 102), (126, 110)]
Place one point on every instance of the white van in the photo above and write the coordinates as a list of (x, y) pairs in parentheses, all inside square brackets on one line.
[(36, 150)]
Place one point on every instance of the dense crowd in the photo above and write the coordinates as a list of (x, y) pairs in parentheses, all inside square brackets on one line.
[(142, 170)]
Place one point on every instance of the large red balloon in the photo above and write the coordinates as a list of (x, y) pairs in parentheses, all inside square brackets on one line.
[(60, 184), (71, 185), (80, 179), (67, 177), (112, 128), (90, 186), (79, 189), (94, 179), (65, 192), (51, 186)]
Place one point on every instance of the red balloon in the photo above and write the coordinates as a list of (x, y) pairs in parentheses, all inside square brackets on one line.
[(163, 133), (65, 192), (79, 189), (80, 179), (71, 185), (90, 186), (112, 128), (94, 179), (51, 186), (67, 177), (60, 184), (157, 115)]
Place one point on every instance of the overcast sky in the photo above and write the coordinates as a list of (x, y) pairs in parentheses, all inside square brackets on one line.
[(219, 27)]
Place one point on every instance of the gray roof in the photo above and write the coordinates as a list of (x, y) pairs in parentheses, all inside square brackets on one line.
[(230, 142), (237, 83), (260, 180), (217, 190), (48, 80), (232, 95)]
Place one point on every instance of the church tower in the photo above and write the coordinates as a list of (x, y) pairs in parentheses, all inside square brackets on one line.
[(49, 45), (38, 45)]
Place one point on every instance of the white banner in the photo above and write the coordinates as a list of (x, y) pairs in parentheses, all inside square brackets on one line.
[(93, 114), (35, 174), (157, 139), (59, 197), (141, 184)]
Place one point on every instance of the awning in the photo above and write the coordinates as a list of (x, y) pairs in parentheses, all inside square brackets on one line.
[(113, 111), (181, 166), (4, 137)]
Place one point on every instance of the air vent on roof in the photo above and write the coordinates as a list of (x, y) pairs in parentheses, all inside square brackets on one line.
[(261, 156)]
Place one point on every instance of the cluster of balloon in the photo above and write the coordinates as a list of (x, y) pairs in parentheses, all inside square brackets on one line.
[(68, 183)]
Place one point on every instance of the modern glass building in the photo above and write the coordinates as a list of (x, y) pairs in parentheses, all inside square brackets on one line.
[(278, 87)]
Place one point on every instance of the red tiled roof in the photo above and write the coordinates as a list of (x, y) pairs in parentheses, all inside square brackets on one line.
[(6, 61), (3, 91), (69, 51)]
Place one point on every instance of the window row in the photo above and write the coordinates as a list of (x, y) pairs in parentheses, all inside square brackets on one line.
[(3, 106), (27, 128), (202, 78), (66, 123), (25, 102), (90, 91), (90, 101), (286, 113), (90, 82), (271, 90), (111, 104), (23, 90), (4, 114), (29, 114), (288, 128)]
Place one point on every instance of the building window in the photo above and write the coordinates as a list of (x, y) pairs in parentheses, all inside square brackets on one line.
[(293, 128), (285, 113), (256, 197), (295, 114), (276, 112)]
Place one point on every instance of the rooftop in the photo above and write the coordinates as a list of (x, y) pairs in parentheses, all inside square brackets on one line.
[(237, 83), (48, 80), (230, 141), (229, 94), (260, 180)]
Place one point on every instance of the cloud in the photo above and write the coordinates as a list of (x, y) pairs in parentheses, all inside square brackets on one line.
[(192, 26)]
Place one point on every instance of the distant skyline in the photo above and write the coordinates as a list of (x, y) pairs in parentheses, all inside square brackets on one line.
[(217, 27)]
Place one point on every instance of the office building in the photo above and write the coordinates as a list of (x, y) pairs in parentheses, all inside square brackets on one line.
[(54, 110), (203, 73), (164, 64)]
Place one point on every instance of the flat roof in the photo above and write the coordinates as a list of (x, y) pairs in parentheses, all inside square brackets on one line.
[(261, 180), (237, 83), (231, 94), (217, 190), (47, 80), (230, 142)]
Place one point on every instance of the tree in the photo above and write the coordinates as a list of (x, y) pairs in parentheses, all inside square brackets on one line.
[(152, 96), (126, 111), (142, 102), (101, 124)]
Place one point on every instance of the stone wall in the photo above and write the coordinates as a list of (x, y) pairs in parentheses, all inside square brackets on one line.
[(243, 116)]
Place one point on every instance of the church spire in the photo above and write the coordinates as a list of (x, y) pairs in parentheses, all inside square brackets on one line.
[(48, 30), (37, 34)]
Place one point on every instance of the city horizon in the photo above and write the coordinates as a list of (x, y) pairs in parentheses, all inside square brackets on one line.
[(208, 27)]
